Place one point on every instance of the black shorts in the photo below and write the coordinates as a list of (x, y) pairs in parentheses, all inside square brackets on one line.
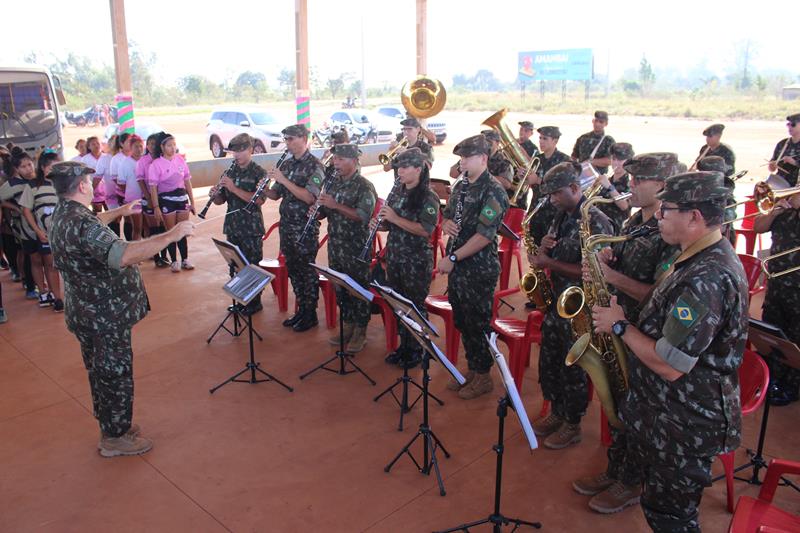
[(172, 201), (31, 246)]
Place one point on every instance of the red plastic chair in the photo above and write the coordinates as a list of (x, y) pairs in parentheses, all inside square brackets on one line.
[(759, 515), (328, 296), (437, 243), (438, 304), (753, 383), (518, 335), (510, 248), (389, 321), (752, 268), (746, 229), (277, 267)]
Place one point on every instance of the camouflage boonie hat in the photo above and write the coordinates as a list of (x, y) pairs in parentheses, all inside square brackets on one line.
[(712, 163), (69, 169), (550, 131), (491, 135), (295, 130), (477, 144), (794, 118), (340, 137), (652, 166), (350, 151), (560, 176), (714, 129), (693, 188), (413, 157), (527, 124), (410, 122), (621, 151), (601, 115), (240, 143)]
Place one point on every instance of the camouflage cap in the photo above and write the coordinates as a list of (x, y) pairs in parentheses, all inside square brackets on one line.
[(652, 166), (794, 118), (477, 144), (550, 131), (413, 157), (240, 143), (601, 115), (694, 187), (295, 130), (491, 135), (69, 169), (350, 151), (340, 137), (621, 151), (410, 122), (712, 163), (527, 124), (560, 176), (714, 129)]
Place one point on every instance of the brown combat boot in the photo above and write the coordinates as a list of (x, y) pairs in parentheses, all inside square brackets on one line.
[(591, 485), (455, 386), (347, 331), (133, 430), (357, 340), (615, 498), (479, 385), (547, 425), (124, 445), (566, 435)]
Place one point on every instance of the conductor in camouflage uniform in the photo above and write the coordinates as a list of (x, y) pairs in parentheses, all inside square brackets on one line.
[(473, 214), (298, 182), (560, 253), (631, 268), (104, 297), (410, 219), (243, 228), (349, 206), (782, 301), (682, 408), (714, 147), (715, 163), (586, 147)]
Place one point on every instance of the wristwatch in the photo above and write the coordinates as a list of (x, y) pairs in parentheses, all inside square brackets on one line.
[(453, 258), (618, 328)]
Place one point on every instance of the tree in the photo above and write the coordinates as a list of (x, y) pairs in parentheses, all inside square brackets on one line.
[(335, 85), (646, 75), (286, 79), (248, 78), (141, 74), (745, 51)]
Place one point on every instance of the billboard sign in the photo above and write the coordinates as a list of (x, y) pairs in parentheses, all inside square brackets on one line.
[(573, 64)]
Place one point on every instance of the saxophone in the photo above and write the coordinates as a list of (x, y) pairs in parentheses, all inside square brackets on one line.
[(534, 284)]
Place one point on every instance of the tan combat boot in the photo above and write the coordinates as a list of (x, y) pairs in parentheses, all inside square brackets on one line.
[(455, 386), (566, 435), (547, 425), (357, 340), (347, 332), (615, 498), (591, 485), (481, 384), (124, 445), (133, 430)]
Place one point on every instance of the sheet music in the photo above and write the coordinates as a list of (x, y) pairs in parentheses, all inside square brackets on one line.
[(352, 284), (247, 283), (410, 306), (431, 348)]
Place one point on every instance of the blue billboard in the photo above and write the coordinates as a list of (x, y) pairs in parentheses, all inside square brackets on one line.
[(574, 64)]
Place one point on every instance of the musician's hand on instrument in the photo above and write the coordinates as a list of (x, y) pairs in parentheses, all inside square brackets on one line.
[(604, 317), (388, 214), (277, 176), (772, 166), (225, 182), (548, 242), (604, 181), (534, 179), (791, 160), (605, 255), (450, 228), (540, 259), (445, 266), (326, 200)]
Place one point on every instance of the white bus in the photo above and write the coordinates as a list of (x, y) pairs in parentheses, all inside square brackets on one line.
[(29, 116)]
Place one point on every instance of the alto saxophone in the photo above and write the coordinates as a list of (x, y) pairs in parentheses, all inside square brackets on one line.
[(534, 284)]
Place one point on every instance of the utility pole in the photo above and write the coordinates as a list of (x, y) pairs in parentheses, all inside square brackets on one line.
[(303, 93), (122, 67)]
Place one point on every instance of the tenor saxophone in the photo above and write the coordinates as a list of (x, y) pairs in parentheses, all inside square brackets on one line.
[(534, 284)]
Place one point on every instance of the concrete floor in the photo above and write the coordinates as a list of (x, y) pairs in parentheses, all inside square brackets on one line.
[(258, 458)]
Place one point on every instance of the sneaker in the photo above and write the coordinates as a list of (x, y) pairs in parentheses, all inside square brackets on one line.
[(124, 445), (133, 430), (32, 295), (161, 263), (479, 385), (186, 265), (16, 278), (547, 425), (615, 498), (357, 340), (347, 332), (591, 485), (455, 386), (58, 306), (51, 298), (175, 266), (44, 301), (566, 435), (3, 316)]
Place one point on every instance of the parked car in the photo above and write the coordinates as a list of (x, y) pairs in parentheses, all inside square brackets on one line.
[(364, 126), (435, 125), (143, 130), (227, 122)]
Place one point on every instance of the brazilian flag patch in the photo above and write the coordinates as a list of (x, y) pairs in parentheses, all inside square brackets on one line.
[(488, 212), (431, 210), (315, 179), (684, 313)]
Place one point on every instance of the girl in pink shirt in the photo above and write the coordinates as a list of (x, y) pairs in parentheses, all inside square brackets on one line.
[(170, 186), (151, 225), (127, 184)]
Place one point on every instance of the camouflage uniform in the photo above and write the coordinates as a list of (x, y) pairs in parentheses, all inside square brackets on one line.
[(785, 170), (612, 211), (530, 148), (471, 284), (540, 222), (346, 237), (724, 151), (698, 315), (421, 143), (716, 163), (585, 144), (103, 300), (307, 172)]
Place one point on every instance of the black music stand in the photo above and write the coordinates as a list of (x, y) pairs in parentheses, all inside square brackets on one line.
[(402, 306), (343, 282), (243, 287), (512, 399), (430, 442), (771, 343), (236, 262)]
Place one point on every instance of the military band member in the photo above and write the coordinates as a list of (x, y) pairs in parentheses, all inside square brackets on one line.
[(243, 228), (499, 167), (682, 408), (412, 130), (714, 147), (560, 253), (525, 134), (471, 263), (593, 147), (550, 156), (631, 268), (716, 163), (785, 160), (616, 185), (781, 303), (104, 297), (298, 184), (348, 206)]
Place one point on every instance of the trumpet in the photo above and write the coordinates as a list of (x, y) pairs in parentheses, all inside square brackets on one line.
[(764, 198), (772, 275), (265, 183), (387, 158), (202, 214)]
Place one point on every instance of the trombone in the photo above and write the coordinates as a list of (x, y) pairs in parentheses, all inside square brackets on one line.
[(522, 187), (764, 198), (766, 260)]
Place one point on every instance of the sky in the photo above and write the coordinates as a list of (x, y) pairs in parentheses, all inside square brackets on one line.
[(222, 39)]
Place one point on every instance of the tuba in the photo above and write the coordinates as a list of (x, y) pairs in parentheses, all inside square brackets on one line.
[(514, 152), (534, 284)]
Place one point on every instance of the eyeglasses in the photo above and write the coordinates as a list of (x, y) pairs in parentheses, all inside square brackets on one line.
[(664, 209)]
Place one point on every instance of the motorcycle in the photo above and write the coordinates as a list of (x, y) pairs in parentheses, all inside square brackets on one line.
[(349, 103)]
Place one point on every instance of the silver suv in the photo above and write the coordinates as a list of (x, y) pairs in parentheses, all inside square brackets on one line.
[(227, 122)]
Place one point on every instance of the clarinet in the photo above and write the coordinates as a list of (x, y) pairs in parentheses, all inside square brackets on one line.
[(211, 197), (459, 214), (366, 251), (312, 217), (265, 183)]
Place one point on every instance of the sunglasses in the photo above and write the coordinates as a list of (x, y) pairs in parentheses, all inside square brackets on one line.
[(791, 124)]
